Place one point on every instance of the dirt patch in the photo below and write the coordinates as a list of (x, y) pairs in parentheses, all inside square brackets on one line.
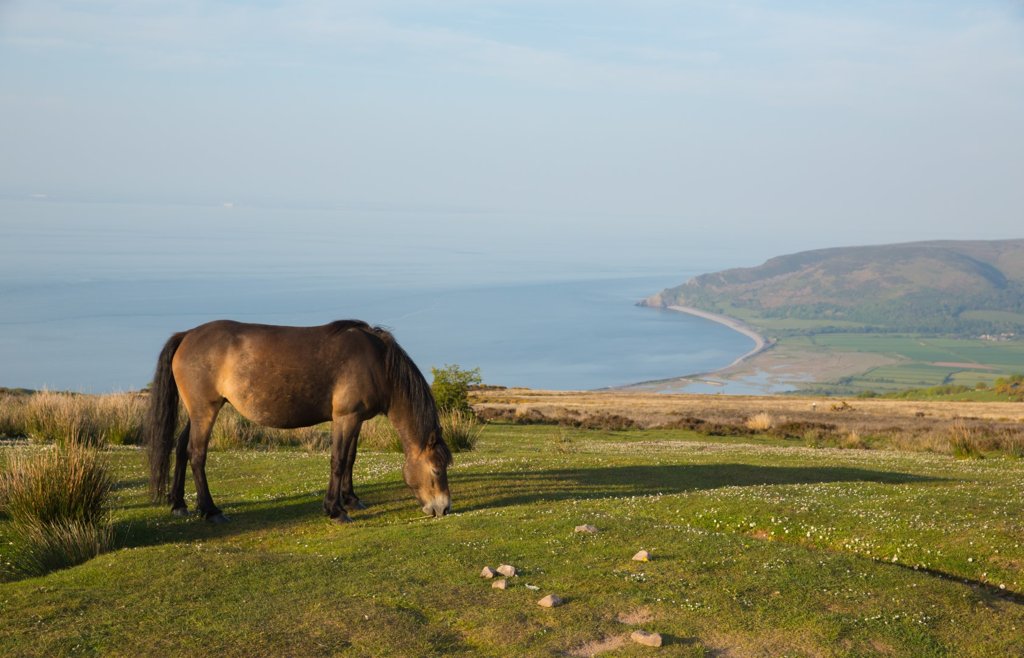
[(604, 645), (638, 616)]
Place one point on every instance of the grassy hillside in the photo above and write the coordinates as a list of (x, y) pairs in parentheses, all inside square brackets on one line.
[(966, 288), (757, 550)]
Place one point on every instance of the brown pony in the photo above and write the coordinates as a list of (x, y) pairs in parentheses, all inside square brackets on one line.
[(346, 372)]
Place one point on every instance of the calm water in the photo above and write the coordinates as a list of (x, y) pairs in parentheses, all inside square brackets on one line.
[(89, 293)]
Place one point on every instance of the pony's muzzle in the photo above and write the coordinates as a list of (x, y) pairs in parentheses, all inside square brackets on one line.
[(438, 507)]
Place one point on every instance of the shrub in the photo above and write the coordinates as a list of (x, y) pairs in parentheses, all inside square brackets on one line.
[(451, 387), (379, 434), (460, 429)]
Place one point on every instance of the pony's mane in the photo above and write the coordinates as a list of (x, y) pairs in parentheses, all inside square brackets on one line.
[(407, 381)]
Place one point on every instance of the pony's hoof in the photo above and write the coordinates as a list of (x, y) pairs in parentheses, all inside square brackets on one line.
[(355, 505), (217, 518), (342, 519), (180, 512)]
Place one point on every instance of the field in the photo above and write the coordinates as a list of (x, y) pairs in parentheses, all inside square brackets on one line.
[(851, 363), (760, 546)]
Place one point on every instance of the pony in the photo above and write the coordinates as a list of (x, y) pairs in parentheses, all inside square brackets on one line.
[(345, 372)]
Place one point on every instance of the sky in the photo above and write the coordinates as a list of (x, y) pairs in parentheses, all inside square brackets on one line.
[(796, 124)]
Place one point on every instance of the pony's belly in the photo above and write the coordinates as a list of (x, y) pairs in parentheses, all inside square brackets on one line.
[(282, 411)]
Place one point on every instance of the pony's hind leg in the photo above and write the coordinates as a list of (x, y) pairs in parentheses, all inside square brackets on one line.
[(177, 494), (199, 439)]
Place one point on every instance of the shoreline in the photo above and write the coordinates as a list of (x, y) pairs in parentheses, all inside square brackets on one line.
[(760, 345)]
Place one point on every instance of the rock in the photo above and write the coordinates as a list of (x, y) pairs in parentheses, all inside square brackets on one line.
[(589, 529), (645, 638), (642, 556), (551, 601), (507, 570), (487, 573), (533, 587), (501, 583)]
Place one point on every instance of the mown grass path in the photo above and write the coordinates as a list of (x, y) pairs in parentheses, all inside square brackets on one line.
[(758, 549)]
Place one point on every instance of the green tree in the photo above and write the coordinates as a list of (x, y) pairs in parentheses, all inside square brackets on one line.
[(451, 387)]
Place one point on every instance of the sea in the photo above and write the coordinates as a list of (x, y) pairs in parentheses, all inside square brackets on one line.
[(89, 291)]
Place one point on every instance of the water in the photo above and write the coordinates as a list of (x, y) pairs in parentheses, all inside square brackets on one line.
[(89, 293)]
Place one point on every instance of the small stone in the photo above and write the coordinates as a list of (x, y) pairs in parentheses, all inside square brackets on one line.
[(487, 573), (532, 587), (550, 601), (501, 583), (589, 529), (507, 570), (642, 556), (645, 638)]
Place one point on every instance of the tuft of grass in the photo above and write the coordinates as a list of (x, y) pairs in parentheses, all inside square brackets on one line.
[(760, 422), (56, 499), (60, 483), (460, 429), (853, 440), (379, 434), (964, 441), (121, 415), (38, 548)]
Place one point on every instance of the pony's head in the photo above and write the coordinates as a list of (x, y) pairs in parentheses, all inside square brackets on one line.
[(426, 473)]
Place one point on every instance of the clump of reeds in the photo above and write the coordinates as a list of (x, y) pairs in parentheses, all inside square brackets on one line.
[(460, 429), (379, 434), (760, 422), (56, 499)]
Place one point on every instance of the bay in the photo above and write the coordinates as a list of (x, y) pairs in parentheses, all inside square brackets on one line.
[(89, 293)]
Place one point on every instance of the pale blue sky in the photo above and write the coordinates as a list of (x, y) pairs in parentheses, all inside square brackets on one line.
[(855, 122)]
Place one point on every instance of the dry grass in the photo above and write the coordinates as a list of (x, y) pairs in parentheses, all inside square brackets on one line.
[(760, 422), (66, 418), (379, 434), (932, 426)]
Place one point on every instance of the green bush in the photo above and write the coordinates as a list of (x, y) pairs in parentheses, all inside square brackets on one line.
[(451, 387)]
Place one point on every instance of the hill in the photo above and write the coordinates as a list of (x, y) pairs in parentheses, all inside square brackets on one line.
[(939, 287)]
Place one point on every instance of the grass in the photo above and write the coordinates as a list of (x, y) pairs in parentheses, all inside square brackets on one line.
[(758, 549)]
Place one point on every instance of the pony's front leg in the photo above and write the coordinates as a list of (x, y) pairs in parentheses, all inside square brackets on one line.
[(348, 494), (343, 430)]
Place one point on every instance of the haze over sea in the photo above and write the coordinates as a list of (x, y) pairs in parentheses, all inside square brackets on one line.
[(90, 291)]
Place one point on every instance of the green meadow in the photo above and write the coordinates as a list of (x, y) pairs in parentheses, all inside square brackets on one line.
[(760, 549), (920, 361)]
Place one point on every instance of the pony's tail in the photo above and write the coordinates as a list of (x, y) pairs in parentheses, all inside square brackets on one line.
[(162, 419)]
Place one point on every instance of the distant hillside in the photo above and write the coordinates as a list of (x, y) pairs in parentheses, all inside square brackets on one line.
[(947, 287)]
